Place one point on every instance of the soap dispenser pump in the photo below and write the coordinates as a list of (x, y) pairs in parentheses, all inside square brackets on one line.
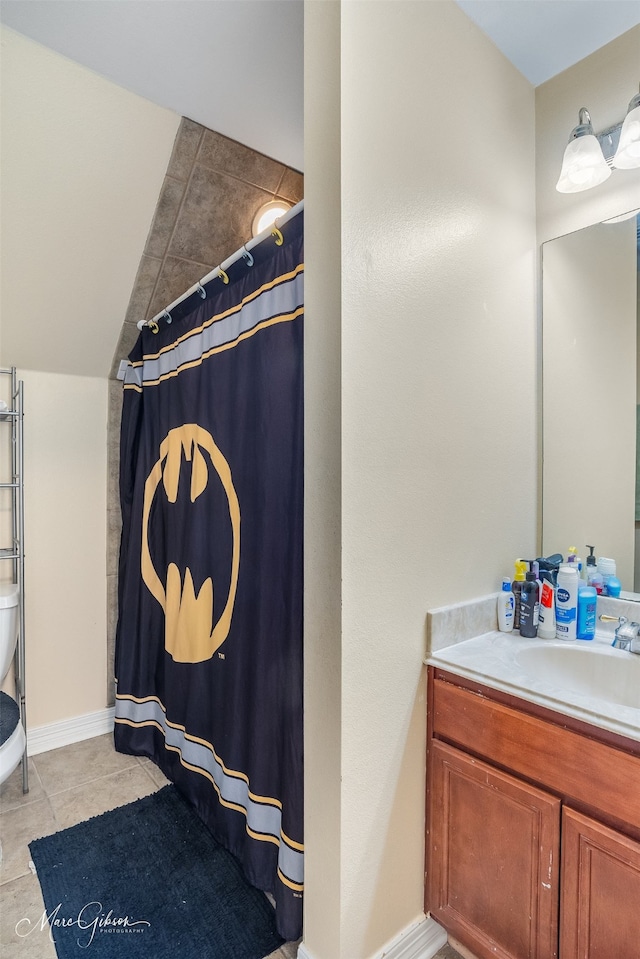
[(594, 576)]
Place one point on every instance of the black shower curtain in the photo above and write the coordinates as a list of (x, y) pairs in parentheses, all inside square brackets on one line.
[(209, 637)]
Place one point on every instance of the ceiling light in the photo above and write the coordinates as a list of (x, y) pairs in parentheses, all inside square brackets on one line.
[(628, 153), (583, 165), (268, 214)]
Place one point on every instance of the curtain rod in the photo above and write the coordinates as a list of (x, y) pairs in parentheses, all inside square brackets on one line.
[(220, 271)]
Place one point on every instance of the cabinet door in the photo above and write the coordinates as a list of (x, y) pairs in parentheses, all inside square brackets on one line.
[(600, 896), (493, 848)]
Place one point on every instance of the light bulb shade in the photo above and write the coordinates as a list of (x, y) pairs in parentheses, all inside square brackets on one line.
[(268, 214), (627, 155), (583, 165)]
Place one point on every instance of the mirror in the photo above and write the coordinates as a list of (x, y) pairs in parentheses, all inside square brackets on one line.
[(591, 395)]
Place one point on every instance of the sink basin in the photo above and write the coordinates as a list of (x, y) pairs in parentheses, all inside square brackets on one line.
[(590, 670)]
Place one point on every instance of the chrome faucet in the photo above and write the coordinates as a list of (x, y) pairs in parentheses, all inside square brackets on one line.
[(627, 633)]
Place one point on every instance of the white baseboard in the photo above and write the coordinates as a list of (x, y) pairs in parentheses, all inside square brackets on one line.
[(420, 940), (41, 739)]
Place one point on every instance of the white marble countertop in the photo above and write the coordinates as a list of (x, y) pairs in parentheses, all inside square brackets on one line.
[(502, 661)]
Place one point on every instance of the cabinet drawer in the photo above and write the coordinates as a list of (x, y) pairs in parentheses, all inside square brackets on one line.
[(601, 777)]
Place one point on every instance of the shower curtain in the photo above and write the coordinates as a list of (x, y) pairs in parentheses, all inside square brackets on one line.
[(209, 636)]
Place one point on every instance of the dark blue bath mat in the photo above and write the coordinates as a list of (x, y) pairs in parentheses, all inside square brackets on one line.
[(149, 881), (9, 717)]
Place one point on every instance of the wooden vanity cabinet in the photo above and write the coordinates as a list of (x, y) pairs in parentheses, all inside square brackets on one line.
[(524, 857), (494, 866), (600, 894)]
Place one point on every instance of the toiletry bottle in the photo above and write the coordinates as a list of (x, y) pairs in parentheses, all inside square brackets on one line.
[(535, 568), (593, 577), (607, 567), (587, 601), (529, 606), (572, 557), (506, 607), (547, 614), (567, 602), (516, 586), (614, 587)]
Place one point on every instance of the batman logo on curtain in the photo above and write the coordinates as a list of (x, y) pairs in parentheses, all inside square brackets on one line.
[(209, 635), (191, 634)]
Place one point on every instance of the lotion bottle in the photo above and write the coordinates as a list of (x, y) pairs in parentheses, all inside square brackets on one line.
[(567, 602), (506, 607)]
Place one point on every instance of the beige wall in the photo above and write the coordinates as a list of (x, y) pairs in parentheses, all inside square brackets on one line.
[(82, 165), (604, 83), (322, 519), (65, 544), (436, 353), (83, 162)]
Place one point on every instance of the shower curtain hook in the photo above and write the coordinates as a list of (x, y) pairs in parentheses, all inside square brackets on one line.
[(247, 256), (153, 326), (167, 316), (201, 290), (223, 276), (275, 232)]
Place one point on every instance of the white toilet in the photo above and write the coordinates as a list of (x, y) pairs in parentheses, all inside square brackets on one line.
[(12, 735)]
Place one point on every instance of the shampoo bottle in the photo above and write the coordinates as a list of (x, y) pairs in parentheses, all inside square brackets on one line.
[(567, 602), (547, 614), (506, 607), (529, 606)]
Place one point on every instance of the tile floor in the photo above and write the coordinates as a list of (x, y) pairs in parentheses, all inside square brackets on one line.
[(448, 952), (66, 786)]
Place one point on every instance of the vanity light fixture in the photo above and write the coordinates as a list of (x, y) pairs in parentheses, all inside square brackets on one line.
[(590, 157), (583, 164), (627, 156), (268, 214)]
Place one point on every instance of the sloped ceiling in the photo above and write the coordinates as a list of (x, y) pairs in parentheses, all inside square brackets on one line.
[(235, 66)]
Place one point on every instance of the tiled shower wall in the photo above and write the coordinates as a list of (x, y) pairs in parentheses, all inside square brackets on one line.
[(212, 189)]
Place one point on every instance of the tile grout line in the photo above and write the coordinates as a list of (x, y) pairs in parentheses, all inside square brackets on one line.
[(95, 779), (187, 184)]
